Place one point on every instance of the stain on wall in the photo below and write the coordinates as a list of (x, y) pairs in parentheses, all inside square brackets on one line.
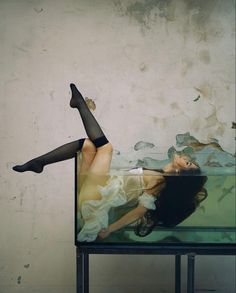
[(143, 67), (19, 280), (202, 11), (199, 16), (204, 56), (145, 13), (205, 89)]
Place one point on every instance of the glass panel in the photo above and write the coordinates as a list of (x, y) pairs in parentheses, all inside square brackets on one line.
[(204, 217)]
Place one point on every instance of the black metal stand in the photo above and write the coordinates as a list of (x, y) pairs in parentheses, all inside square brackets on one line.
[(178, 273), (83, 252), (79, 272), (83, 274), (190, 280), (82, 265)]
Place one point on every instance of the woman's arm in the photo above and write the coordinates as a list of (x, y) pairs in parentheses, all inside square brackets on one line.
[(127, 219)]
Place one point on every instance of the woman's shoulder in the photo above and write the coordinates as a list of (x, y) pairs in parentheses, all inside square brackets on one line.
[(153, 174), (153, 181)]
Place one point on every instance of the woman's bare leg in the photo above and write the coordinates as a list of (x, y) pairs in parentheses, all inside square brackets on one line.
[(88, 153), (98, 174)]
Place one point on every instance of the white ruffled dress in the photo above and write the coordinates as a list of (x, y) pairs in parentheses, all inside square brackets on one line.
[(120, 190)]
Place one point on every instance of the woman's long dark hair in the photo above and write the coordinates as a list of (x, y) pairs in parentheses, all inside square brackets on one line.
[(177, 201)]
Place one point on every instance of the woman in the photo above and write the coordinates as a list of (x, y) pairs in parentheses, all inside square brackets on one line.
[(149, 192)]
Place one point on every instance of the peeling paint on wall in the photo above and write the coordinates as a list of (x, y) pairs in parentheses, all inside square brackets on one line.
[(141, 145), (188, 140), (185, 139)]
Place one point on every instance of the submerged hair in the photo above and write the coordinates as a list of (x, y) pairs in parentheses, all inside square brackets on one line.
[(179, 198)]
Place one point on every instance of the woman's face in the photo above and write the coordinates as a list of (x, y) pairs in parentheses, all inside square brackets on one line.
[(183, 163)]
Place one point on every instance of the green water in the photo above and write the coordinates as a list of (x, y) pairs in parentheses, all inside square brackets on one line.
[(214, 221)]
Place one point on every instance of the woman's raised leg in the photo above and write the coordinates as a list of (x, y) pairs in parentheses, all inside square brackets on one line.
[(99, 169), (93, 129), (69, 150), (64, 152), (102, 159)]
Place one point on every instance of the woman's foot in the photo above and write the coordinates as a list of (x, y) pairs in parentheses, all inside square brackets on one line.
[(76, 96), (29, 166)]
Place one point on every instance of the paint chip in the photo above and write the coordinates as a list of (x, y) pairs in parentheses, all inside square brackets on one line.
[(19, 280), (185, 139), (142, 67), (90, 103), (27, 266), (116, 152), (38, 10), (198, 97), (233, 125), (141, 145)]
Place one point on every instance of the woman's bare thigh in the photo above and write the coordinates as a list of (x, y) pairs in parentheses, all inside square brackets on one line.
[(98, 174)]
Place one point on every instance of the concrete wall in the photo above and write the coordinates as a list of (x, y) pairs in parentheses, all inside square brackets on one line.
[(153, 68)]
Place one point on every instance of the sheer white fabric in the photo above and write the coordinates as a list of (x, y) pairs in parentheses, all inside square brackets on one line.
[(148, 201), (122, 190)]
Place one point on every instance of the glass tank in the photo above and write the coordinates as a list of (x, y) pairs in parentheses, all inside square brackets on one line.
[(137, 199)]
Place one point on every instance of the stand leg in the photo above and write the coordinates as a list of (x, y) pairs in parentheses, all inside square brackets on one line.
[(178, 274), (86, 273), (79, 271), (190, 281)]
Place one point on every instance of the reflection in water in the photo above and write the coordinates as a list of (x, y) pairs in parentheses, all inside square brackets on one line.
[(225, 192)]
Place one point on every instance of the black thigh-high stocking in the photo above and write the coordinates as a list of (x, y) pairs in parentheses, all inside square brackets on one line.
[(69, 150), (91, 125), (64, 152)]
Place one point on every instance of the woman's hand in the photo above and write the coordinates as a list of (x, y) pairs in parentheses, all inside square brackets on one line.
[(104, 233), (127, 219)]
